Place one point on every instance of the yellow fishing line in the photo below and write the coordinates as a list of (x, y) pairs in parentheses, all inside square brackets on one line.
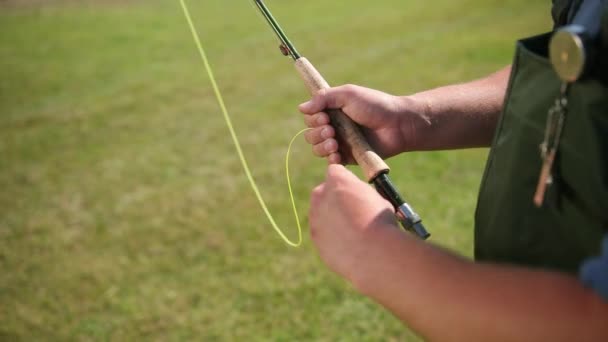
[(239, 151)]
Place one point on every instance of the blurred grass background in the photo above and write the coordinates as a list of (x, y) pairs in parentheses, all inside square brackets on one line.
[(124, 213)]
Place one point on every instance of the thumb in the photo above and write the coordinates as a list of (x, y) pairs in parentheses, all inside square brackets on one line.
[(316, 104), (325, 98), (338, 173)]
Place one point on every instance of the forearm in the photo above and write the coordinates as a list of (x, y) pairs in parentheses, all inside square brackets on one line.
[(457, 116), (444, 297)]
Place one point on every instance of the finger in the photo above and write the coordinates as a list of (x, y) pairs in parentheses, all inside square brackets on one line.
[(334, 158), (335, 170), (317, 192), (338, 172), (314, 105), (338, 97), (316, 197), (316, 120), (334, 174), (318, 135), (329, 98), (325, 148)]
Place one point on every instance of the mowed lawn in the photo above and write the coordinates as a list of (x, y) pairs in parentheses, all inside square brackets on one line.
[(124, 211)]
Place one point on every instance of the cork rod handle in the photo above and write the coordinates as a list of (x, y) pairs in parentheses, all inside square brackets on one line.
[(348, 131)]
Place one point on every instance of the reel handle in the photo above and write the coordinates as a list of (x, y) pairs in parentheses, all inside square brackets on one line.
[(349, 131)]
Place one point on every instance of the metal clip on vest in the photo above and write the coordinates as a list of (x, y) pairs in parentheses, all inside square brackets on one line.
[(574, 48)]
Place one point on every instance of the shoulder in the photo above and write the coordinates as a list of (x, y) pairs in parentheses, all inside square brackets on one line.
[(563, 11)]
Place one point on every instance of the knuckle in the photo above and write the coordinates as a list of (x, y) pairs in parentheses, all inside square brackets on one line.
[(309, 137), (321, 93), (316, 120), (315, 197), (319, 99), (321, 118), (330, 146), (350, 89), (318, 150)]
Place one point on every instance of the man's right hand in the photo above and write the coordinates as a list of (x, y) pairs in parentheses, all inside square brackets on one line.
[(387, 121)]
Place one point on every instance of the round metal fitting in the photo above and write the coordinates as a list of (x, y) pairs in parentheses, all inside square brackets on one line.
[(567, 54)]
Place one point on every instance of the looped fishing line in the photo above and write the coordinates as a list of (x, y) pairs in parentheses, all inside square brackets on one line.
[(239, 151)]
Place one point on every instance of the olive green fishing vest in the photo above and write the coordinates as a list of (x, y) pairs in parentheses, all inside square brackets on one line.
[(568, 228)]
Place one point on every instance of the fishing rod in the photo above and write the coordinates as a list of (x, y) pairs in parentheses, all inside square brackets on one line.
[(375, 169)]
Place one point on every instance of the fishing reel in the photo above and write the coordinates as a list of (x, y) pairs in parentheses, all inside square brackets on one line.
[(579, 50)]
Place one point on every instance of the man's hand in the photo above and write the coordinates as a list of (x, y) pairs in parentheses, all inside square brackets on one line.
[(346, 217), (387, 121), (458, 116), (441, 296)]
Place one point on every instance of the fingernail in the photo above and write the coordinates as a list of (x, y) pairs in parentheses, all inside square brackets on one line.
[(325, 133), (330, 146), (322, 120), (305, 105)]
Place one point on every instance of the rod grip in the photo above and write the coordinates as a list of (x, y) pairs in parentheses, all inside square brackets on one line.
[(348, 131)]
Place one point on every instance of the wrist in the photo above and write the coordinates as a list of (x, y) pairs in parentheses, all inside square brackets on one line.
[(414, 120), (385, 243)]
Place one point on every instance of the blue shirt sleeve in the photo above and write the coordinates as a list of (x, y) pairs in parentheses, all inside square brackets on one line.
[(594, 272)]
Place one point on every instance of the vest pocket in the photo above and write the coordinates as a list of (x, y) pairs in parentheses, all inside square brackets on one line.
[(508, 227)]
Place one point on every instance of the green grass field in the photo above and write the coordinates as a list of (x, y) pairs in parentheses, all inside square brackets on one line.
[(124, 212)]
